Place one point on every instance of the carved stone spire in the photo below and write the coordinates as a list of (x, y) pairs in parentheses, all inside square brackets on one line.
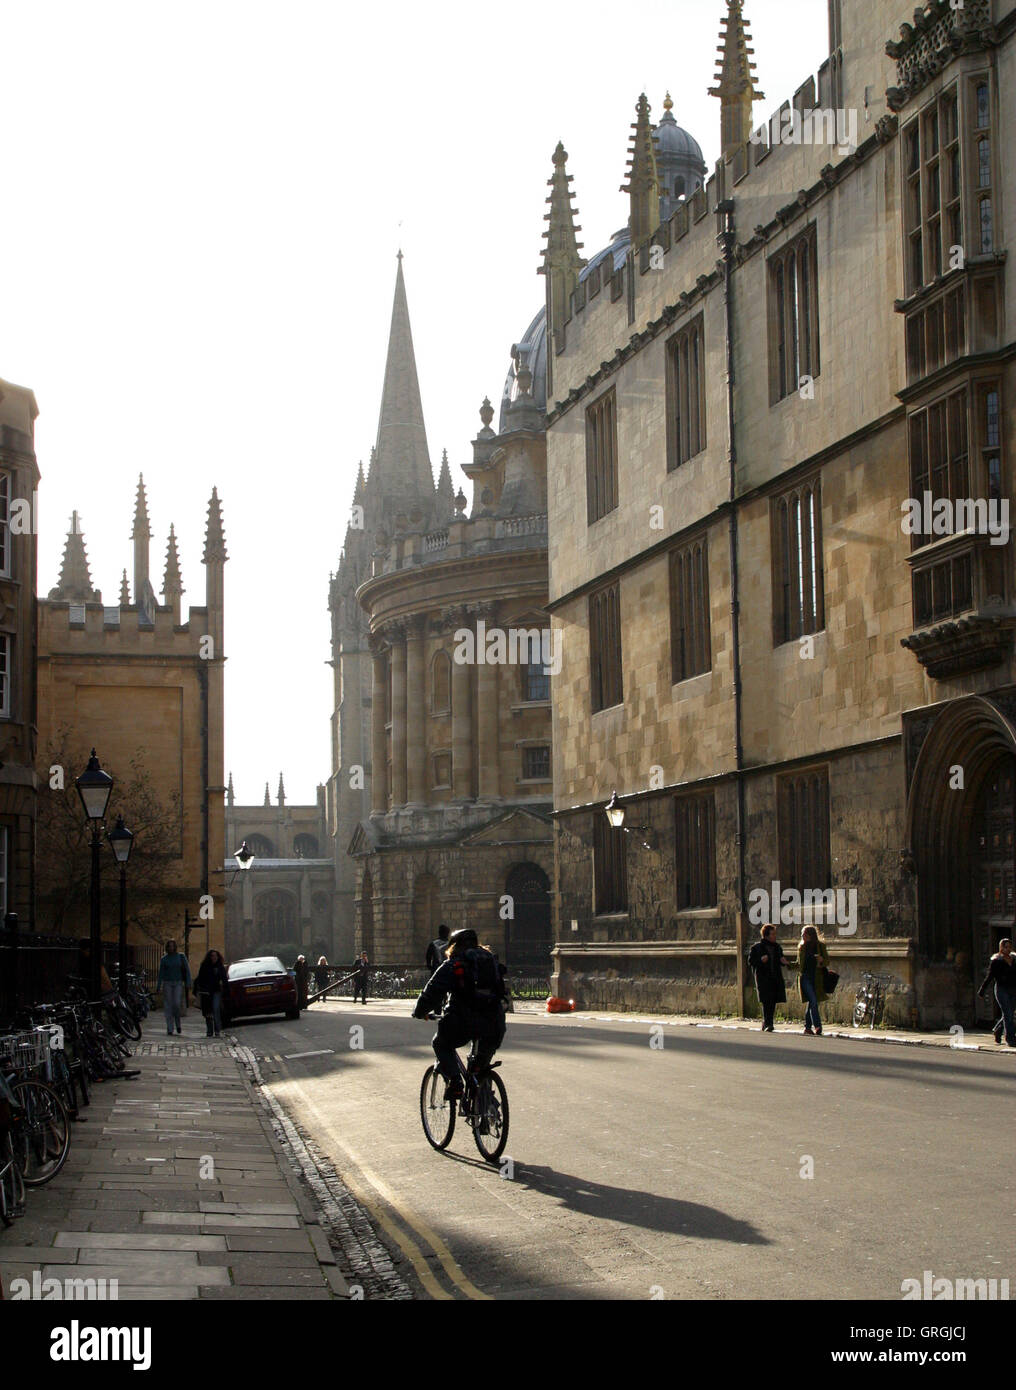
[(643, 186), (561, 260), (268, 799), (230, 798), (735, 80), (445, 489), (215, 539), (125, 593), (75, 582), (401, 470), (172, 582), (141, 534), (282, 791)]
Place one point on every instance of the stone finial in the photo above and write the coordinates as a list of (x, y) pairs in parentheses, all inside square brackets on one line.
[(172, 583), (668, 104), (460, 503), (282, 791), (230, 798), (142, 529), (75, 582), (486, 413), (268, 800), (735, 79), (125, 593), (643, 186), (215, 539), (358, 491)]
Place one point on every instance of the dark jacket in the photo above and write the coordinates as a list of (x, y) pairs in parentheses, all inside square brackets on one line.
[(471, 987), (435, 953), (768, 974), (211, 979), (361, 968), (320, 976), (1001, 973)]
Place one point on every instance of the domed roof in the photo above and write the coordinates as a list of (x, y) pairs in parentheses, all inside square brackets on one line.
[(530, 350), (674, 141)]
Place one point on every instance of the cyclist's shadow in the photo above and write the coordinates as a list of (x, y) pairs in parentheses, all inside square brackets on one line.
[(669, 1215)]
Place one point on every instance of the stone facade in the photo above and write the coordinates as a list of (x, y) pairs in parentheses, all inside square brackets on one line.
[(440, 800), (839, 699), (286, 897), (19, 477), (134, 678)]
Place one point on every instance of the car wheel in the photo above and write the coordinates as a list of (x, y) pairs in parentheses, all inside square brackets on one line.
[(292, 1013)]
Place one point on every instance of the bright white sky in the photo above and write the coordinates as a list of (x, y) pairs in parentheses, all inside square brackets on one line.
[(202, 203)]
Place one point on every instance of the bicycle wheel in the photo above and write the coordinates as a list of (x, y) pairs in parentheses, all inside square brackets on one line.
[(63, 1082), (46, 1125), (490, 1117), (124, 1019), (437, 1114), (12, 1187), (860, 1012)]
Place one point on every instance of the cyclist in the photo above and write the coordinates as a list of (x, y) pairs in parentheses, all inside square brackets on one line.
[(472, 988)]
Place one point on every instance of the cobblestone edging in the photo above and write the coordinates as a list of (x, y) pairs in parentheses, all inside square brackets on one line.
[(366, 1259)]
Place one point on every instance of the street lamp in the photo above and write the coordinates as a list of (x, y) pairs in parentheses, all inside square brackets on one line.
[(121, 842), (615, 813), (244, 856), (94, 787)]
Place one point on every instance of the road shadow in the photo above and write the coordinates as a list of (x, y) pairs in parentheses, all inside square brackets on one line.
[(665, 1215)]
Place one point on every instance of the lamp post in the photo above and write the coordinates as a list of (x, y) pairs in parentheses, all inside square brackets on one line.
[(121, 842), (615, 813), (94, 787)]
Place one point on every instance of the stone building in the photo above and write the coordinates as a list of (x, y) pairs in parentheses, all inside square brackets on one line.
[(751, 389), (441, 786), (284, 901), (19, 479), (136, 679)]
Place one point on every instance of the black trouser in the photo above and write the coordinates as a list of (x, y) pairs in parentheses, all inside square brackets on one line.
[(360, 988), (768, 1009), (454, 1030)]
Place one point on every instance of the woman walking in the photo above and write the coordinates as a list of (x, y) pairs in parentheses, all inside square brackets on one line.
[(174, 981), (1002, 973), (812, 963), (321, 974), (766, 960), (210, 986), (302, 972)]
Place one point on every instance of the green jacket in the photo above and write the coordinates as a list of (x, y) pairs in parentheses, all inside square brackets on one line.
[(821, 966)]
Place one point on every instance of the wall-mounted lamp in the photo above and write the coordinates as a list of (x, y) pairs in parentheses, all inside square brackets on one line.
[(615, 813)]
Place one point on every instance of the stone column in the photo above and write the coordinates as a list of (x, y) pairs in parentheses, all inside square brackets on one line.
[(397, 639), (487, 733), (416, 712), (462, 721), (379, 715)]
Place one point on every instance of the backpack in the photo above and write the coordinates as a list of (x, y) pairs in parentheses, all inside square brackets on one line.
[(484, 975)]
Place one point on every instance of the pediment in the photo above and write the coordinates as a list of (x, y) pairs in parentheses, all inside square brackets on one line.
[(363, 841), (519, 827)]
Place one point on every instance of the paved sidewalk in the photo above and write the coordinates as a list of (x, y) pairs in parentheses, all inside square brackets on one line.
[(176, 1187)]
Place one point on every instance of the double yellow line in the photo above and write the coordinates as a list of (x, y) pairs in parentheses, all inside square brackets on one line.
[(367, 1186)]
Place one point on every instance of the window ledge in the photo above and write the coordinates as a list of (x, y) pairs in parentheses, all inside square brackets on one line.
[(530, 704)]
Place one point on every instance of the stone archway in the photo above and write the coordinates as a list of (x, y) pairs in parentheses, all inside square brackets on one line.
[(960, 827)]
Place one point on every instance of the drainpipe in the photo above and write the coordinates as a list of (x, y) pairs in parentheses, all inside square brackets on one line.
[(726, 241)]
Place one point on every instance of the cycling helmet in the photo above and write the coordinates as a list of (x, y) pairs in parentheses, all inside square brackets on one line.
[(464, 939)]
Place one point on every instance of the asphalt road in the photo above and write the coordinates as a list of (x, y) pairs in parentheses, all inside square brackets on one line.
[(726, 1164)]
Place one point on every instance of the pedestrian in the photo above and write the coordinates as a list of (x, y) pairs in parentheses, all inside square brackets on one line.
[(210, 987), (812, 963), (321, 974), (1002, 973), (361, 967), (174, 980), (766, 960), (436, 949), (302, 972)]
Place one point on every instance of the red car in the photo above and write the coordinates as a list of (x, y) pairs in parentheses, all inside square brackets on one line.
[(261, 985)]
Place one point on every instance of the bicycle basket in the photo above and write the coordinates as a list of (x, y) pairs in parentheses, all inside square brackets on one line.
[(24, 1051)]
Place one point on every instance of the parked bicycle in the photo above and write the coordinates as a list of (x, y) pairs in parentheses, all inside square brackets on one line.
[(483, 1105), (869, 1005)]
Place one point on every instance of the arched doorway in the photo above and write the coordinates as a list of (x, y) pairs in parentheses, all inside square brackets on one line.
[(527, 932), (426, 916), (960, 826)]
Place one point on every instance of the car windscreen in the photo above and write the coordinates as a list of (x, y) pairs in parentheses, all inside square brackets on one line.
[(248, 969)]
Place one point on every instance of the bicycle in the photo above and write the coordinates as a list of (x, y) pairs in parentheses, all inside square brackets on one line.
[(12, 1185), (869, 1004), (483, 1105), (40, 1125)]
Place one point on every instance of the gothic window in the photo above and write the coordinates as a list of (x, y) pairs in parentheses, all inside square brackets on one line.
[(695, 840), (606, 682), (938, 457), (936, 334), (441, 684), (275, 917), (690, 644), (601, 457), (260, 846), (803, 830), (610, 866), (686, 398), (306, 847), (798, 592), (793, 315), (985, 232)]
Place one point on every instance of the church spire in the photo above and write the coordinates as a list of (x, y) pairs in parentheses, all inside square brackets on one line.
[(358, 491), (735, 80), (561, 259), (643, 186), (282, 792), (445, 489), (141, 534), (402, 466), (75, 582), (268, 799), (230, 796)]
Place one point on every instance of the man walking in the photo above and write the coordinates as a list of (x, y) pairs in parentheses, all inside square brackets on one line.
[(436, 949), (174, 979), (362, 968)]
